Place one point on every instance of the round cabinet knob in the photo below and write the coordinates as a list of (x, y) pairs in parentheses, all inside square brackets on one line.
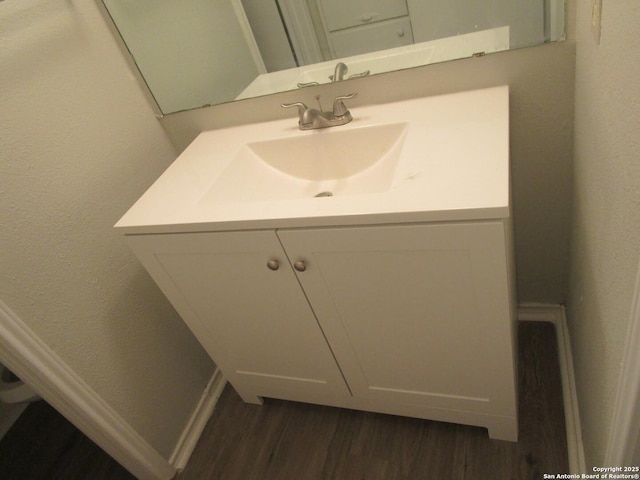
[(273, 264), (401, 33), (300, 266)]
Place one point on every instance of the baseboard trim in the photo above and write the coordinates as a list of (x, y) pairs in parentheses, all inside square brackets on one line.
[(201, 415), (23, 352), (556, 315)]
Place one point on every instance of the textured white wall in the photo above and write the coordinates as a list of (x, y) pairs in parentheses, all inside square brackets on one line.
[(606, 221), (79, 145), (541, 80)]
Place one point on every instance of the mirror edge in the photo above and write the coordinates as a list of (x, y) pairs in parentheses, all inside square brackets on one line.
[(129, 59)]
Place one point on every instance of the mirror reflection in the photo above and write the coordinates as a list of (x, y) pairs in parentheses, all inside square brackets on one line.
[(195, 53)]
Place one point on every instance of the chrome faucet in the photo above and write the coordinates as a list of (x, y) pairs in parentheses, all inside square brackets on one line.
[(339, 73), (312, 118)]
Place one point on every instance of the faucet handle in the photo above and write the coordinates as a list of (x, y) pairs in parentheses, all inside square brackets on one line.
[(359, 75), (339, 108), (302, 108)]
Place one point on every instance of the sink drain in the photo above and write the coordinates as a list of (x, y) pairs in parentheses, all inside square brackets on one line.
[(324, 194)]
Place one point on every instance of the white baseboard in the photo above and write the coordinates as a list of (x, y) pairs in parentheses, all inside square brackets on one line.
[(199, 418), (556, 314)]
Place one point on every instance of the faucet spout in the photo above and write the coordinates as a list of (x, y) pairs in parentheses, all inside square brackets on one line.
[(340, 71), (312, 118)]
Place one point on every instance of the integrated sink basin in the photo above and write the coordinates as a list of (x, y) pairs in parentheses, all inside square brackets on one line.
[(323, 163), (437, 158)]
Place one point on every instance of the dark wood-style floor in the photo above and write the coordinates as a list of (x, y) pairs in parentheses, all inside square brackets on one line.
[(43, 445), (286, 440)]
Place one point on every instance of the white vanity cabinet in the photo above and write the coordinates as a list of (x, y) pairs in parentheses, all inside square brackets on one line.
[(406, 319)]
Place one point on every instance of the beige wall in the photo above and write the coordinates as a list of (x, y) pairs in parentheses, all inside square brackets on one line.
[(79, 145), (541, 80), (605, 243)]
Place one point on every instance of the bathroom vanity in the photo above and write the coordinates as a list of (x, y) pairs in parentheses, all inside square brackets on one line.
[(367, 266)]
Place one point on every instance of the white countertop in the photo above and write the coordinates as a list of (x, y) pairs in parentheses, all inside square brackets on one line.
[(454, 166)]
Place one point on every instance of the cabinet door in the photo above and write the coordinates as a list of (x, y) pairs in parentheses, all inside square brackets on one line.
[(339, 14), (416, 315), (254, 321), (371, 38)]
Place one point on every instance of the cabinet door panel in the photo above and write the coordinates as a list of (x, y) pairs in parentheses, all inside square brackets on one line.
[(340, 14), (415, 314), (370, 38), (255, 322)]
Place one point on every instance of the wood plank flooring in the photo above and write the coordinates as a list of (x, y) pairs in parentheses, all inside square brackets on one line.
[(43, 445), (291, 441), (287, 440)]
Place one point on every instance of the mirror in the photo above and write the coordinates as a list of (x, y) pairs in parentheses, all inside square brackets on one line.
[(194, 53)]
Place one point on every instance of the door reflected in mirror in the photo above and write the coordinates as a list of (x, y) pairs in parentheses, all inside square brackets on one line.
[(193, 54)]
